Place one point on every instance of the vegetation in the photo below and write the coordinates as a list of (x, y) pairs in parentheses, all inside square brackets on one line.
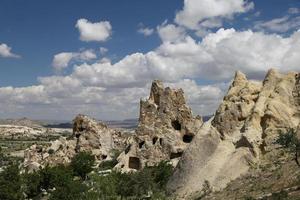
[(82, 164), (149, 182), (10, 183), (76, 181), (291, 142)]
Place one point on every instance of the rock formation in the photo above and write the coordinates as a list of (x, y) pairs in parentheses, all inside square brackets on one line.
[(242, 130), (88, 135), (166, 127)]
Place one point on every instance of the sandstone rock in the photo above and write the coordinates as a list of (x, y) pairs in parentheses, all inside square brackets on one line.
[(88, 135), (242, 130), (166, 127)]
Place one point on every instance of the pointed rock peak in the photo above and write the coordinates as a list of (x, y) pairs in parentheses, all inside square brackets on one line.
[(272, 74), (156, 91), (239, 78)]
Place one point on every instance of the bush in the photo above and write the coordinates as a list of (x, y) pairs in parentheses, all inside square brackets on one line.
[(10, 183), (291, 142), (51, 151), (58, 181), (82, 164), (146, 183)]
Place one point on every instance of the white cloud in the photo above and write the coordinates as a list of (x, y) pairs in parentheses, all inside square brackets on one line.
[(112, 90), (294, 10), (146, 31), (171, 32), (62, 60), (281, 25), (207, 14), (5, 51), (98, 31), (103, 50)]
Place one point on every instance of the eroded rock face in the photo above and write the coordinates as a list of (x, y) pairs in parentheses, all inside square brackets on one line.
[(242, 130), (88, 135), (166, 127)]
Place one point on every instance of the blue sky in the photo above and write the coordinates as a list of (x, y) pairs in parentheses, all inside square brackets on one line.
[(181, 53), (39, 29)]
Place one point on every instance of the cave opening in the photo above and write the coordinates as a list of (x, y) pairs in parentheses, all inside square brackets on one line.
[(103, 157), (127, 149), (134, 163), (154, 140), (176, 155), (141, 144), (176, 125), (187, 138), (161, 141)]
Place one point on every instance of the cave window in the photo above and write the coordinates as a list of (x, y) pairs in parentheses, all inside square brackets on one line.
[(127, 149), (160, 141), (154, 140), (103, 157), (187, 138), (141, 144), (134, 163), (176, 155), (176, 125)]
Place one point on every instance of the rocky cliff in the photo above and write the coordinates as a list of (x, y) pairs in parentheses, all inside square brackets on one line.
[(88, 135), (166, 127), (243, 129)]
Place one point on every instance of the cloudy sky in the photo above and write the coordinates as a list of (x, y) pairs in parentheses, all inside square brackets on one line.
[(59, 58)]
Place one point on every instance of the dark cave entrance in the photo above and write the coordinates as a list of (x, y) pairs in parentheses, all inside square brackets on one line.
[(134, 163), (154, 140), (176, 125), (187, 138), (141, 144), (176, 155)]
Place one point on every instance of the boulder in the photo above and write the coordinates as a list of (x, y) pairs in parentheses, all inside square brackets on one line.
[(88, 135)]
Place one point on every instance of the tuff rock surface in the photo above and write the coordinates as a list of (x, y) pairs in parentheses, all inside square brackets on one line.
[(88, 135), (243, 129), (166, 127)]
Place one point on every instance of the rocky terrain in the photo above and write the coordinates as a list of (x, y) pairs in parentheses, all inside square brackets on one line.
[(233, 152), (166, 127), (241, 133), (88, 135)]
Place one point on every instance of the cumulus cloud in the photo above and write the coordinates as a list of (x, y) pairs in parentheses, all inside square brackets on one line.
[(294, 10), (281, 25), (109, 90), (206, 14), (5, 52), (62, 60), (103, 50), (112, 90), (98, 31), (146, 31), (170, 32)]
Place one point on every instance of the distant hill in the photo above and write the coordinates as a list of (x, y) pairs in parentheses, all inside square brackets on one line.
[(22, 122)]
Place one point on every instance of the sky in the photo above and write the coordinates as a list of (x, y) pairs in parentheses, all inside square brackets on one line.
[(59, 58)]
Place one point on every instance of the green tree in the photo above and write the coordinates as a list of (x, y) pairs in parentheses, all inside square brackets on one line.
[(10, 183), (291, 142), (82, 164)]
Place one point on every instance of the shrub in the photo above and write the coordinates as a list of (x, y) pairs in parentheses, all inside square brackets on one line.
[(291, 142), (82, 164), (149, 182), (51, 151), (10, 183), (58, 181), (108, 164)]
